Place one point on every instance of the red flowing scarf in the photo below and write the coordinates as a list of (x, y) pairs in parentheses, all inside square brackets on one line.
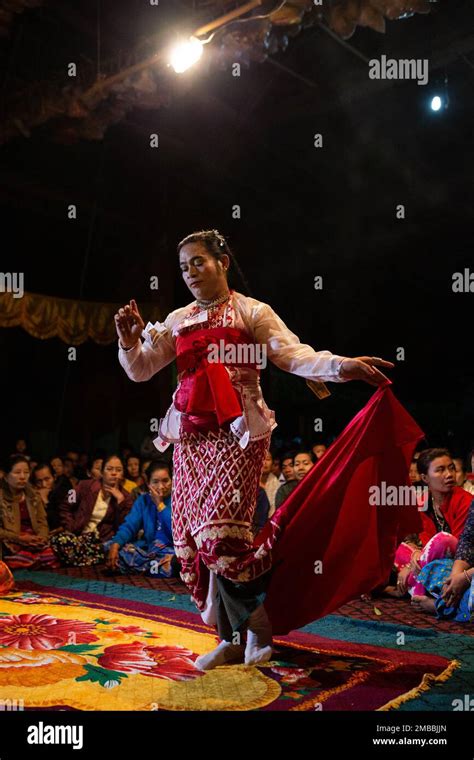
[(329, 543)]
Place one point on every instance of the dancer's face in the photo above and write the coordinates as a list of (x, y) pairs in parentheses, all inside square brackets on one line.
[(203, 274), (302, 465), (441, 475)]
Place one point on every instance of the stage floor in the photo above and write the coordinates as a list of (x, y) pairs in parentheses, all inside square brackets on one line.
[(83, 640)]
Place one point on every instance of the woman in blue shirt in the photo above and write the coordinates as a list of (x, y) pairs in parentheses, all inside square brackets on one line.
[(144, 542)]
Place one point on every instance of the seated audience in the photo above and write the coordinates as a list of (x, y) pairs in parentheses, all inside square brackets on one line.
[(57, 466), (132, 470), (90, 515), (142, 487), (319, 449), (24, 533), (152, 553), (21, 449), (42, 479), (461, 475), (449, 582), (276, 466), (414, 475), (95, 468), (52, 492), (287, 471), (303, 461), (443, 515), (69, 471)]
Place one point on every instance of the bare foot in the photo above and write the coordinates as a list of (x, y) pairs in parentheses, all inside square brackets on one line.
[(424, 604)]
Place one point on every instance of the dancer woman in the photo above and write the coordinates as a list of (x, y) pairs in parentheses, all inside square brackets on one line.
[(221, 428)]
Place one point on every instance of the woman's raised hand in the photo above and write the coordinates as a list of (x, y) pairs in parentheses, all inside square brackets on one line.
[(129, 324)]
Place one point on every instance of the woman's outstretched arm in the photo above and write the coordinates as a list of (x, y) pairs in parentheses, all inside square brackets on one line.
[(285, 349)]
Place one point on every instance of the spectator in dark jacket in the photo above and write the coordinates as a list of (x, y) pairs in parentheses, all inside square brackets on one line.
[(90, 515)]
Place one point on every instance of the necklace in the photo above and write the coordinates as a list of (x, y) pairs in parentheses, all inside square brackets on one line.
[(438, 515), (215, 302)]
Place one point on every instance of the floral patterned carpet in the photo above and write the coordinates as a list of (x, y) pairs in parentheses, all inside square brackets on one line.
[(81, 644)]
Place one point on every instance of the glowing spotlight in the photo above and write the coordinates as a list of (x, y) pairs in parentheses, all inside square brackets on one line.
[(436, 103), (185, 54)]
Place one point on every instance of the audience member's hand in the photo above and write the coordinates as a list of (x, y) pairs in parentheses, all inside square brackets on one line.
[(402, 580), (129, 324), (414, 562), (364, 368), (31, 539), (155, 494), (44, 493), (112, 561), (115, 492), (454, 588)]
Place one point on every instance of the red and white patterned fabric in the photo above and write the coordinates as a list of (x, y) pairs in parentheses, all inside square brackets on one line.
[(215, 485)]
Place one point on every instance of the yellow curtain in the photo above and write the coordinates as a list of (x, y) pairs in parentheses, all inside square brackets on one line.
[(71, 321)]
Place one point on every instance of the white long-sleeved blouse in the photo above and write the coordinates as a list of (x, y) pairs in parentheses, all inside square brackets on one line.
[(266, 328)]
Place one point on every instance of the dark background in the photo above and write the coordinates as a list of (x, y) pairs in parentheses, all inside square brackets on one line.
[(305, 212)]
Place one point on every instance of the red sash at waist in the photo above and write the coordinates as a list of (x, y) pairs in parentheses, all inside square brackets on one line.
[(205, 387)]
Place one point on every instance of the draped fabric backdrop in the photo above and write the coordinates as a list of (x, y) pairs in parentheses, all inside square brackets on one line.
[(70, 320)]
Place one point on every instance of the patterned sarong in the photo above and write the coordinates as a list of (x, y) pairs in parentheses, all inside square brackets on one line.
[(215, 485)]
